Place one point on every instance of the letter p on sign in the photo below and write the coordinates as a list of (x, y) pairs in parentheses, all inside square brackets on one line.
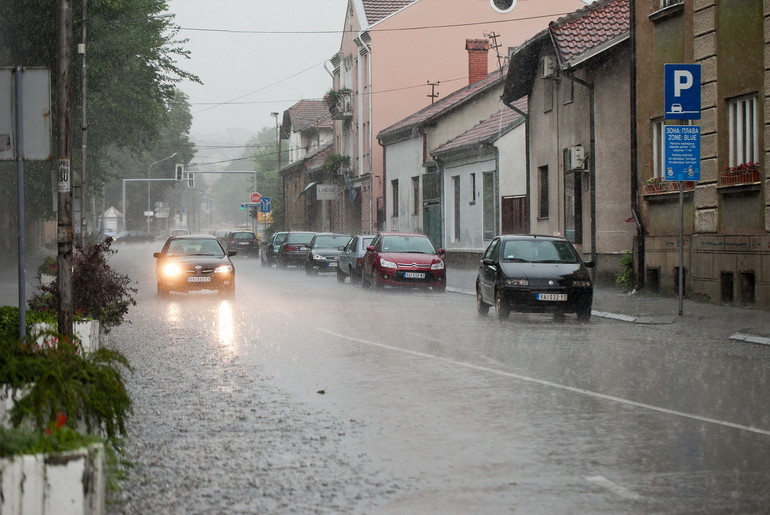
[(682, 91)]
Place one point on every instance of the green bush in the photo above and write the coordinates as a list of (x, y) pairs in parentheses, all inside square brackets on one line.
[(62, 379), (98, 292), (625, 276)]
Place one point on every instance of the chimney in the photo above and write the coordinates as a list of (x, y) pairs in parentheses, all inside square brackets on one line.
[(478, 61)]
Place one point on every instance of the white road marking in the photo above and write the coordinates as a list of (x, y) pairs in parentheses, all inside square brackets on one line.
[(551, 384), (619, 490)]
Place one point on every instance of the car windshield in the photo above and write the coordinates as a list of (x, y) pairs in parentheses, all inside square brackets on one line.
[(193, 247), (331, 241), (538, 251), (300, 237), (408, 244)]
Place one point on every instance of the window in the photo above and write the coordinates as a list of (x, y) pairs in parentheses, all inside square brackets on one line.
[(503, 6), (456, 184), (742, 119), (394, 187), (542, 173), (668, 3), (472, 199), (658, 151), (489, 217), (415, 195)]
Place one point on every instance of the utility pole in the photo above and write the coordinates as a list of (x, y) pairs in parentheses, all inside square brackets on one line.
[(64, 259), (84, 129)]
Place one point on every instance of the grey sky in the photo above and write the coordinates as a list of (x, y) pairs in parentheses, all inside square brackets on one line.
[(257, 73)]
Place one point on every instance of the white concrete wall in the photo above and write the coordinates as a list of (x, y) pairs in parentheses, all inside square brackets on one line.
[(471, 210), (404, 162), (70, 483)]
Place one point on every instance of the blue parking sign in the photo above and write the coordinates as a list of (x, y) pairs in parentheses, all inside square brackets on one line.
[(682, 91), (265, 205), (682, 152)]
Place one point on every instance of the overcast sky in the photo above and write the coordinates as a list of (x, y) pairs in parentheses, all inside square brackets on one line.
[(246, 76)]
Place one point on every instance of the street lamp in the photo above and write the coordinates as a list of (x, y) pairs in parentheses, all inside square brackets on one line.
[(149, 169)]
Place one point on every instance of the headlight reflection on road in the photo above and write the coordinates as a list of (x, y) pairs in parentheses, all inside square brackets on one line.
[(173, 312), (225, 324)]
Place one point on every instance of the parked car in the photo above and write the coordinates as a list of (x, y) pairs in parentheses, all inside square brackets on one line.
[(179, 231), (221, 234), (399, 259), (194, 263), (534, 274), (294, 249), (133, 237), (269, 251), (245, 242), (351, 261), (109, 232), (325, 248)]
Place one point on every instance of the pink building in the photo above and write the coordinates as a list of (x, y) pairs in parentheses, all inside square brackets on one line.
[(391, 52)]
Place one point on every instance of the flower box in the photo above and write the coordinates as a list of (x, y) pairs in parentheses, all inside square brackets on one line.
[(67, 482), (742, 174), (86, 331)]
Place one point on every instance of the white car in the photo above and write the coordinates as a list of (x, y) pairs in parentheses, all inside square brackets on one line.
[(350, 262)]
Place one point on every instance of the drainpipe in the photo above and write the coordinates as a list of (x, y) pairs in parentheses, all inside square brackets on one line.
[(640, 233), (592, 157), (359, 40), (526, 156)]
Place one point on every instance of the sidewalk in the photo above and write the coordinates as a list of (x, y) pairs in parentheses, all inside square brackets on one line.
[(712, 320)]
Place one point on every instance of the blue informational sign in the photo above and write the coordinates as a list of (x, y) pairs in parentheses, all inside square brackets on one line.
[(264, 205), (682, 152), (682, 91)]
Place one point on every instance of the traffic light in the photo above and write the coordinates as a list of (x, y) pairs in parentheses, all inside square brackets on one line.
[(179, 172)]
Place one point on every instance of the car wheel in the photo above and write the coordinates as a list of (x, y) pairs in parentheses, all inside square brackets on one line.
[(376, 282), (481, 306), (558, 316), (439, 289), (364, 282), (228, 291), (501, 308), (264, 262), (162, 292), (341, 276), (584, 313)]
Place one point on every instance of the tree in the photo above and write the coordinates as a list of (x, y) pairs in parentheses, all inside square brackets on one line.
[(131, 83)]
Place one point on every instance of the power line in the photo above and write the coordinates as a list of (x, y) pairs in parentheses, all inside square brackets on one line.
[(401, 29)]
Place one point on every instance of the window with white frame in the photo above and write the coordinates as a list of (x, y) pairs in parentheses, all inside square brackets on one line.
[(743, 131), (668, 3), (658, 150)]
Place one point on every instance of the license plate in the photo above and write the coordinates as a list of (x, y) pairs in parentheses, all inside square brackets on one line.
[(552, 296), (198, 279), (243, 243), (331, 264), (414, 275)]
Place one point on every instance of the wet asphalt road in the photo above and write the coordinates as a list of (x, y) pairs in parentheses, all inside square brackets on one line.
[(303, 395)]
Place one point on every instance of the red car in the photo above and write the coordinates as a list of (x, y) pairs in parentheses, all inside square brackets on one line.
[(399, 259)]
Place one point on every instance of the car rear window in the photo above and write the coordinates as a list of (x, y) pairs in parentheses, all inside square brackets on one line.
[(300, 237), (247, 236), (330, 241)]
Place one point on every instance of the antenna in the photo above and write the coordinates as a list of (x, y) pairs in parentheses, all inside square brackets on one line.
[(496, 46), (433, 93)]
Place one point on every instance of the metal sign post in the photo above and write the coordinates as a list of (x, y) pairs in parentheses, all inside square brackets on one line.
[(682, 142)]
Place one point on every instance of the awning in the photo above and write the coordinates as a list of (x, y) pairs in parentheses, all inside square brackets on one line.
[(308, 188)]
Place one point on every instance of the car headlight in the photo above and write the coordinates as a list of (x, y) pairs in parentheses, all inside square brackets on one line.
[(224, 269), (384, 263), (582, 284), (517, 282), (318, 257), (437, 266), (171, 270)]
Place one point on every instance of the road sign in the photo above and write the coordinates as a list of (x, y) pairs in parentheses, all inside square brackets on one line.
[(265, 205), (682, 91), (682, 152), (255, 198)]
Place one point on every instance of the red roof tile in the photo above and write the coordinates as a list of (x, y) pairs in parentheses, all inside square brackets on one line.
[(309, 113), (590, 27), (377, 10)]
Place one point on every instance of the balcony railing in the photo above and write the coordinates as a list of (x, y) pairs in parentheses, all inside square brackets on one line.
[(658, 185), (739, 175)]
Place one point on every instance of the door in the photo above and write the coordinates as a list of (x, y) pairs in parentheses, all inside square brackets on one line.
[(514, 215)]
